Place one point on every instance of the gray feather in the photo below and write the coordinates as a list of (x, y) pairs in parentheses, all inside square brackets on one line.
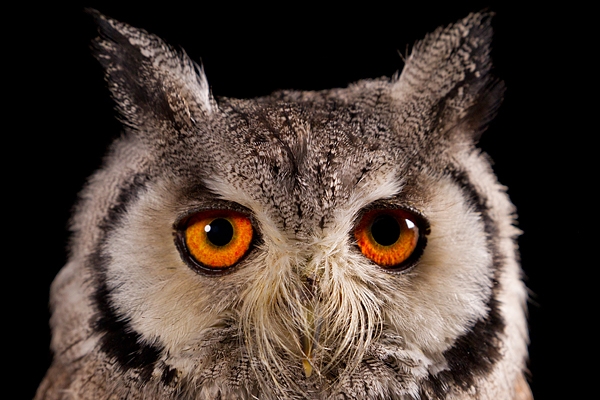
[(305, 312)]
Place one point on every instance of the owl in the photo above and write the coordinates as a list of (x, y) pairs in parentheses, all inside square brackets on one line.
[(351, 243)]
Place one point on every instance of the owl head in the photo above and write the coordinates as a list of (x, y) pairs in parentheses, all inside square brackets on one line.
[(344, 243)]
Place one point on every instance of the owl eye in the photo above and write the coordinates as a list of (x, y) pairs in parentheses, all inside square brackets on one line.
[(215, 240), (391, 238)]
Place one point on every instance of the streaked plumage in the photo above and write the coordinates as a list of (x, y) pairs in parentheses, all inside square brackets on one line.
[(371, 255)]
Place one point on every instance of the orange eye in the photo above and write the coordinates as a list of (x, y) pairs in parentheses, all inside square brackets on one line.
[(391, 238), (216, 239)]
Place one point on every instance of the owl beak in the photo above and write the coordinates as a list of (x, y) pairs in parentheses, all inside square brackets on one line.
[(308, 347), (309, 340), (309, 337), (307, 361)]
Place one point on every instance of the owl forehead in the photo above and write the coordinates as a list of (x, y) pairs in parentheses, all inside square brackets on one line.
[(302, 159)]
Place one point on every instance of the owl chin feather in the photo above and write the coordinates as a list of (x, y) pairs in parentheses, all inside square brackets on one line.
[(344, 243)]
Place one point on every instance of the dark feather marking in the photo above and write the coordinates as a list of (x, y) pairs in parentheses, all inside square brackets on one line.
[(169, 376), (119, 340), (131, 77), (474, 353)]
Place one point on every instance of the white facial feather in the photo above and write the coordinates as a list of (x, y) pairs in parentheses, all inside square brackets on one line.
[(327, 182)]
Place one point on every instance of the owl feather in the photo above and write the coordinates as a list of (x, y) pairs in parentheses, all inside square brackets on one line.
[(378, 256)]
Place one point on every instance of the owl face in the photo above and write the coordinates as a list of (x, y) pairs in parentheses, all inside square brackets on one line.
[(348, 242)]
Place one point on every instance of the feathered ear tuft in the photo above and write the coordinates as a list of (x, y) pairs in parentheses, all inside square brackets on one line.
[(448, 73), (153, 84)]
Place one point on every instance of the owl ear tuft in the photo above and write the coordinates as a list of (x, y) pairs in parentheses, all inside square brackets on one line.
[(448, 75), (153, 84)]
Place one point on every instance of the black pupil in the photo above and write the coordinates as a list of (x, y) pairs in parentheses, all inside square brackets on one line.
[(220, 233), (385, 230)]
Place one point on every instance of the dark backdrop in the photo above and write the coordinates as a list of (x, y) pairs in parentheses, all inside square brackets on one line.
[(62, 120)]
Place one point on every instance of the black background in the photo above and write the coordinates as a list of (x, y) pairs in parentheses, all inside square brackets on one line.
[(61, 120)]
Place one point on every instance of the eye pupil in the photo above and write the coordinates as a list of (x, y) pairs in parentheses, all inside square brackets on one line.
[(385, 230), (219, 232)]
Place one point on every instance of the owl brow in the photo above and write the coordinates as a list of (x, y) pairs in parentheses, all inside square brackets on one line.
[(398, 202), (204, 199)]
